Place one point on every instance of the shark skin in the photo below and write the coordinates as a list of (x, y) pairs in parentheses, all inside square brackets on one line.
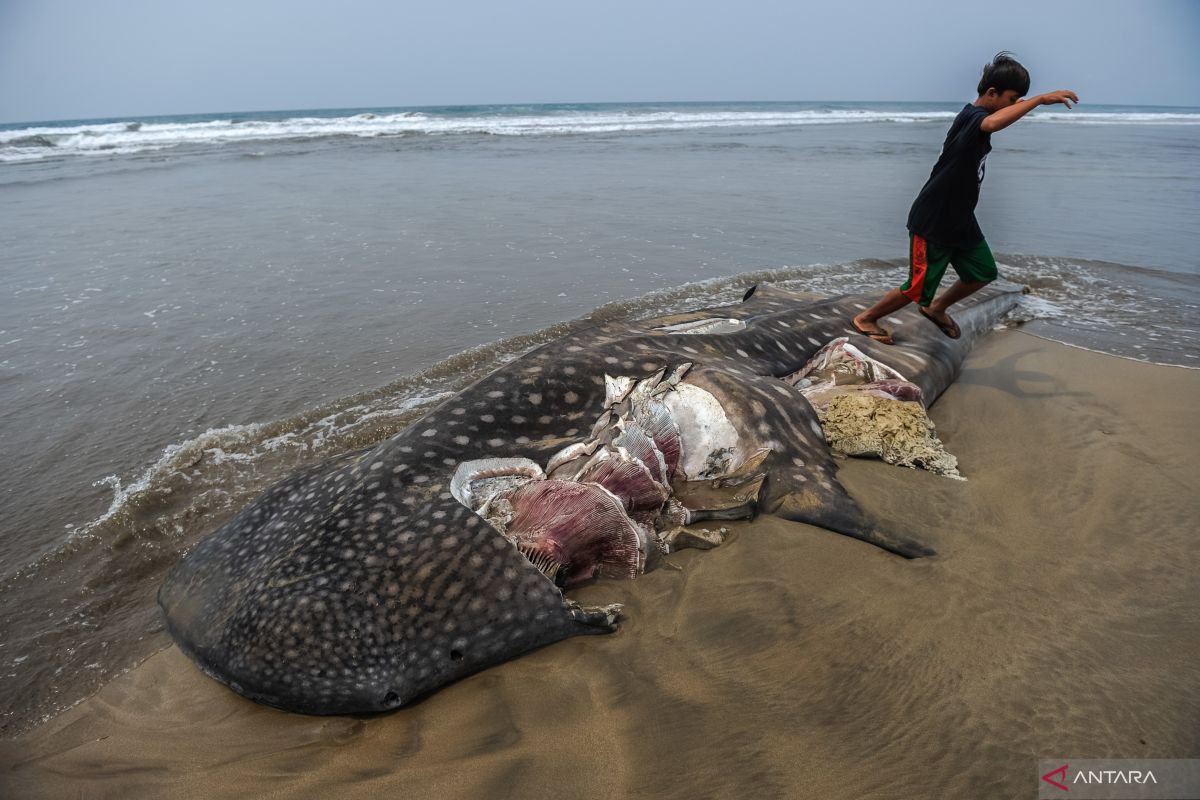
[(361, 584)]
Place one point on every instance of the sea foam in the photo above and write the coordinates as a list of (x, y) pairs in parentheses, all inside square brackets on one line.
[(126, 137)]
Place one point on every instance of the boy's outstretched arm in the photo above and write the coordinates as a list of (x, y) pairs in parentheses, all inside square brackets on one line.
[(1001, 119)]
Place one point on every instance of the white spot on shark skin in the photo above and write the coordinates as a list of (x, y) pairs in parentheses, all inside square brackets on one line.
[(816, 428), (815, 341), (610, 359), (908, 354), (495, 394), (486, 418), (571, 397), (462, 439), (495, 442), (428, 432), (535, 399), (568, 370), (459, 411), (742, 353), (376, 465)]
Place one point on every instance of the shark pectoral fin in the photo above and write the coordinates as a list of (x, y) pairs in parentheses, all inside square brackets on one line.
[(893, 543), (836, 511)]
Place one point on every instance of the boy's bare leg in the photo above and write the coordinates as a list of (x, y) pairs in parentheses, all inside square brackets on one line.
[(937, 309), (867, 321)]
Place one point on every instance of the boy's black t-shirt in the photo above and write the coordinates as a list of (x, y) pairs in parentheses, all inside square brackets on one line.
[(944, 211)]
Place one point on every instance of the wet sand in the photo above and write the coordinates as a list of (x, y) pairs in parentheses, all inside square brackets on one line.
[(1061, 618)]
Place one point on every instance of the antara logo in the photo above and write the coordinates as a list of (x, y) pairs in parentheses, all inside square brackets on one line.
[(1058, 777), (1060, 772)]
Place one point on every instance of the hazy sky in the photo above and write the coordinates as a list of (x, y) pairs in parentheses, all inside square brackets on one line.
[(84, 58)]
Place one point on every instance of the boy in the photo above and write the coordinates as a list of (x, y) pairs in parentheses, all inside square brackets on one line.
[(941, 224)]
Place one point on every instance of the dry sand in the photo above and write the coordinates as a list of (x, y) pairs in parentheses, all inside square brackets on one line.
[(1061, 618)]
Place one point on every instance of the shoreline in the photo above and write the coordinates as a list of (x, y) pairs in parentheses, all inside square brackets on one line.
[(1115, 355), (1059, 618)]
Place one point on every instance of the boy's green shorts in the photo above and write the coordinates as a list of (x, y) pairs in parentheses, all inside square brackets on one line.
[(927, 263)]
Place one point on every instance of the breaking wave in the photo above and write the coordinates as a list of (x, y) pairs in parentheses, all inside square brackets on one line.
[(123, 137)]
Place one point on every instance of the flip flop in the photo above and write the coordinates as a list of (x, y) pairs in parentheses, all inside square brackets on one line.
[(881, 336), (950, 330)]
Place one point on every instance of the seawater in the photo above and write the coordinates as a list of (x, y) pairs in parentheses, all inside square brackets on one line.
[(193, 307)]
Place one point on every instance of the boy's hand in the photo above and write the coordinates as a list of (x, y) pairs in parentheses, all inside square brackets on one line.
[(1064, 96)]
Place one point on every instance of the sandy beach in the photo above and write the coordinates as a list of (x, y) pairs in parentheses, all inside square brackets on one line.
[(1060, 619)]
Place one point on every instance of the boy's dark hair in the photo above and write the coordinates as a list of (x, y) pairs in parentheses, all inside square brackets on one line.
[(1005, 73)]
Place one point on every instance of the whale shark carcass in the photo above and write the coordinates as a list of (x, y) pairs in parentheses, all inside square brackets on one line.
[(370, 580)]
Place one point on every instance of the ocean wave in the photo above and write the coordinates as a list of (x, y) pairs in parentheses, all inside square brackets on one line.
[(1120, 118), (127, 137), (33, 140), (187, 472)]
